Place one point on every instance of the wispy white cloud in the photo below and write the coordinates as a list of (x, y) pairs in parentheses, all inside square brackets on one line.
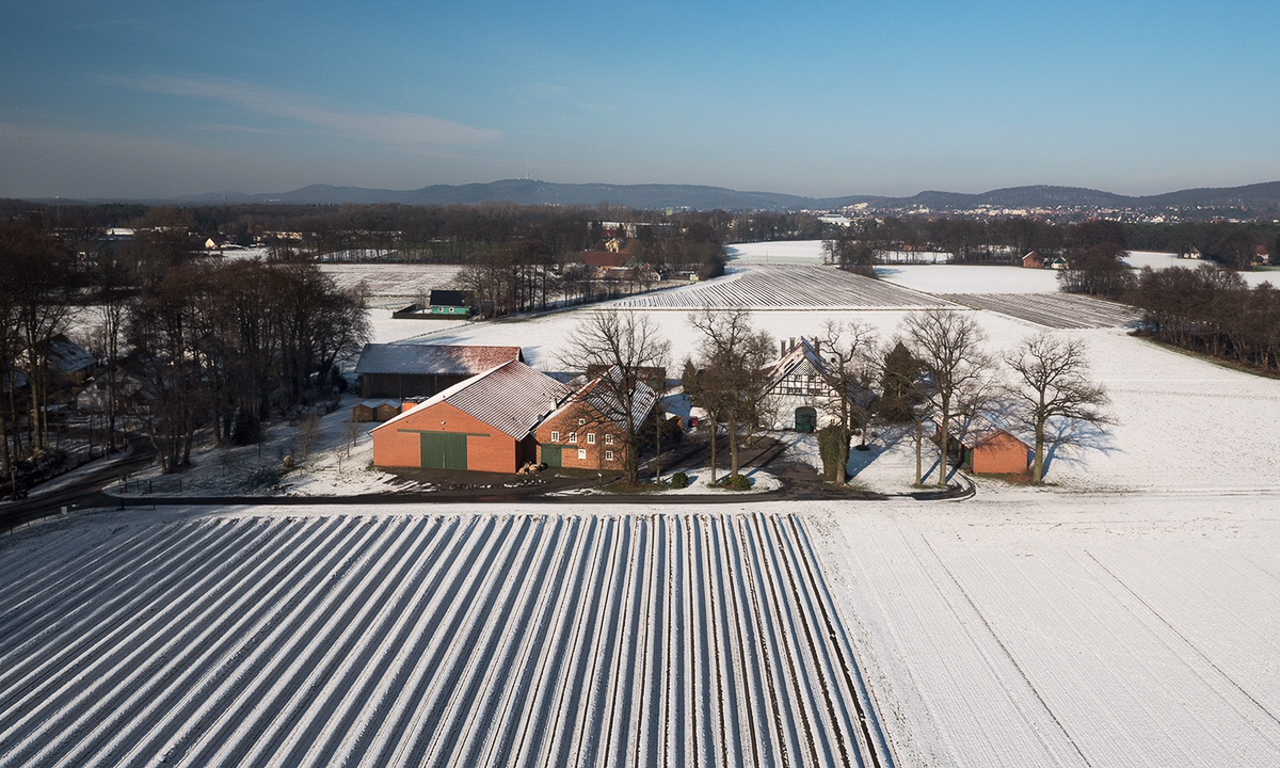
[(547, 90), (401, 129)]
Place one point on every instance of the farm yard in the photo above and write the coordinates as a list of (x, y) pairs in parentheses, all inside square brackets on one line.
[(412, 639), (1124, 615)]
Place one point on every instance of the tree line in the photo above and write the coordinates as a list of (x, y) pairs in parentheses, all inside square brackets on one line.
[(1212, 311), (186, 343), (865, 243)]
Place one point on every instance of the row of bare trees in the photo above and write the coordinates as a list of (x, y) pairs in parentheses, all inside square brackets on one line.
[(225, 343), (935, 374), (947, 378), (1213, 311), (37, 283)]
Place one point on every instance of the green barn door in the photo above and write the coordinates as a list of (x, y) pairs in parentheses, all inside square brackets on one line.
[(441, 450), (551, 455)]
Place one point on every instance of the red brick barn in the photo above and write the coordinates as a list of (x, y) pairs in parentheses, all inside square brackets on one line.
[(484, 423), (589, 430), (989, 450)]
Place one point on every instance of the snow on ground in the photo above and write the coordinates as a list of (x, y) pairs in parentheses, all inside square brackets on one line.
[(1161, 260), (810, 252), (412, 639), (392, 286), (1108, 630), (772, 287), (1125, 616), (968, 278), (699, 483), (781, 252), (332, 458), (1027, 629)]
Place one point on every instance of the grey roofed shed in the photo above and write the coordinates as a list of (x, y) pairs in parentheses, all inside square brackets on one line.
[(421, 370)]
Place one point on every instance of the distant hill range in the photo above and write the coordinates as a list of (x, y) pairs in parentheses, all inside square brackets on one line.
[(660, 196)]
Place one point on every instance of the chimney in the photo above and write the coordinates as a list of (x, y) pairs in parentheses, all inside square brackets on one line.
[(782, 347), (817, 347)]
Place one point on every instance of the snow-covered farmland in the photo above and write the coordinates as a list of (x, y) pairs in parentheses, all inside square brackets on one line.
[(407, 639), (1053, 310), (1084, 631), (1125, 616), (772, 287), (392, 286)]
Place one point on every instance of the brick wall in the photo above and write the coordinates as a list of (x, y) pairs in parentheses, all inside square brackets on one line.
[(1002, 454), (566, 422), (394, 448)]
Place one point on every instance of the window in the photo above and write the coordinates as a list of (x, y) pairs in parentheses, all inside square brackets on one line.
[(608, 455), (582, 454), (608, 439), (573, 437), (555, 435), (581, 422), (591, 438)]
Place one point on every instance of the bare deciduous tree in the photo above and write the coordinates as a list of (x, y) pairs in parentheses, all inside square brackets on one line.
[(1053, 384), (732, 356), (850, 353), (948, 346), (625, 350)]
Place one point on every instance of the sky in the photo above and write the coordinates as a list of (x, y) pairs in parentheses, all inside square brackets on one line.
[(159, 98)]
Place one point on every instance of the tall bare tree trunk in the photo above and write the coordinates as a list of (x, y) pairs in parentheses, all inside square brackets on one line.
[(713, 451)]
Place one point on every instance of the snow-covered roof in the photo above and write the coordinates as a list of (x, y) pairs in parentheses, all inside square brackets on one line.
[(977, 430), (604, 400), (65, 356), (801, 353), (512, 398), (425, 359)]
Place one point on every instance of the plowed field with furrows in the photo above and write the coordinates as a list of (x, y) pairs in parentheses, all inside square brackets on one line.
[(393, 285), (442, 640), (786, 287), (1055, 310)]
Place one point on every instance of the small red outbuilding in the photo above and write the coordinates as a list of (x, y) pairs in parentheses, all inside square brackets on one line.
[(988, 450)]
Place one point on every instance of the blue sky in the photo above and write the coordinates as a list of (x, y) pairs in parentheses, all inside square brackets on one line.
[(142, 98)]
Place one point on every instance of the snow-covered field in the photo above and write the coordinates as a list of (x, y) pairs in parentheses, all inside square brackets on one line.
[(1084, 631), (392, 286), (411, 639), (1126, 615), (774, 287)]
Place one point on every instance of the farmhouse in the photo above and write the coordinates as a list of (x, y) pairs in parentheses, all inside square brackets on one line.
[(800, 386), (449, 303), (1033, 260), (403, 371), (589, 430), (484, 423)]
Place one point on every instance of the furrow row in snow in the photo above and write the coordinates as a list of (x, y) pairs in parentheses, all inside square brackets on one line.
[(434, 640)]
